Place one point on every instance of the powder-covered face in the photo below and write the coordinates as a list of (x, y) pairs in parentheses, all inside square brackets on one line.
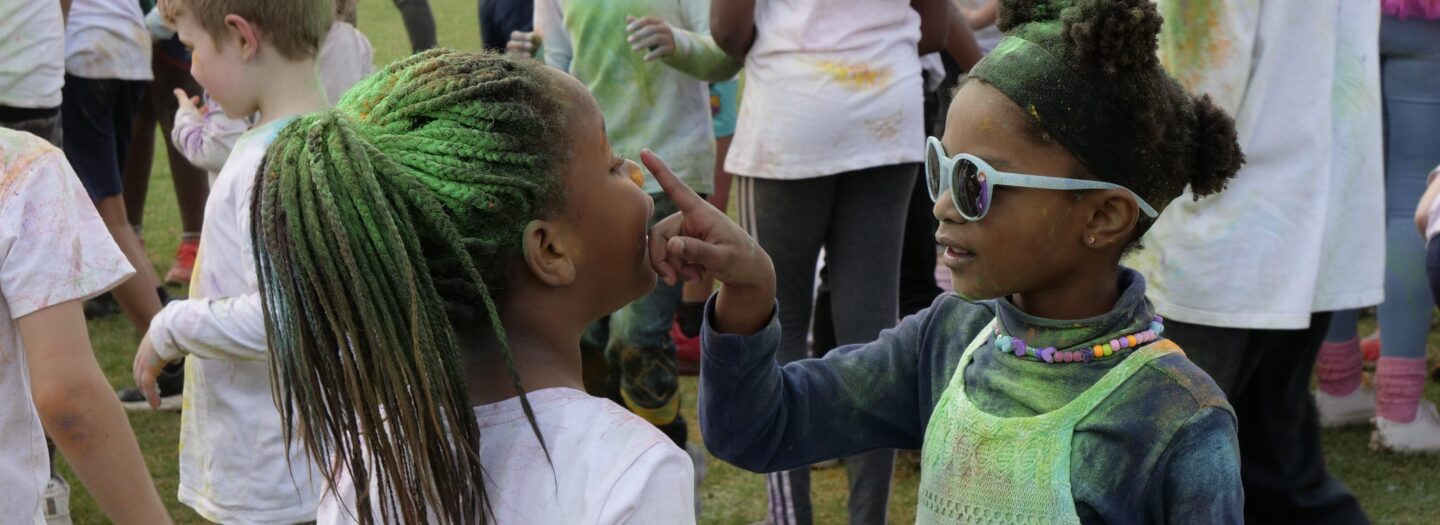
[(1031, 239), (605, 206), (218, 67)]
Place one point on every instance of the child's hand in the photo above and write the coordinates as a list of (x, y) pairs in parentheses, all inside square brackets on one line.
[(146, 368), (651, 34), (188, 103), (523, 43), (701, 242)]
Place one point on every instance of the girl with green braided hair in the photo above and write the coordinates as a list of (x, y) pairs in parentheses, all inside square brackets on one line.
[(429, 254)]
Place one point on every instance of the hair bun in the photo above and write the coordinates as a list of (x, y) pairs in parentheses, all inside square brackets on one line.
[(1217, 154), (1015, 12), (1114, 35)]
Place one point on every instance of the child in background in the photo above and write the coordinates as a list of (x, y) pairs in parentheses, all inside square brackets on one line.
[(54, 253), (825, 156), (647, 63), (475, 221), (205, 135), (251, 56), (1052, 398), (107, 67)]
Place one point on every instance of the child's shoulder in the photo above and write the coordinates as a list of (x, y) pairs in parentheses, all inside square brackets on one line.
[(951, 316), (1180, 373)]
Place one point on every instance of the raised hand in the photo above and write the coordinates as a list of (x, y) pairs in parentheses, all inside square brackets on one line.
[(651, 35), (700, 241)]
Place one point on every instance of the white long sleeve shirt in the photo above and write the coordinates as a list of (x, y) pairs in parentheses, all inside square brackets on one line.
[(234, 465)]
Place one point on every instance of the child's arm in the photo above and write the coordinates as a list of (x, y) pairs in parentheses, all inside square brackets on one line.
[(687, 46), (83, 417), (984, 16), (754, 413), (960, 42), (732, 24), (204, 138), (934, 24), (550, 25), (1427, 201), (232, 329), (1199, 478)]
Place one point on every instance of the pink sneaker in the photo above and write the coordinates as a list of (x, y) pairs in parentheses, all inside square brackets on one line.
[(687, 351)]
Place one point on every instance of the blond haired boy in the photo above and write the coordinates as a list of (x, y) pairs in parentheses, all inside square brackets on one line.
[(250, 56)]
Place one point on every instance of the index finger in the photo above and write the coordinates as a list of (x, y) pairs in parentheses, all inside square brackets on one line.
[(685, 199)]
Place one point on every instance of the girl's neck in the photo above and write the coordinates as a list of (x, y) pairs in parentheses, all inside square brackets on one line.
[(543, 359), (1081, 295)]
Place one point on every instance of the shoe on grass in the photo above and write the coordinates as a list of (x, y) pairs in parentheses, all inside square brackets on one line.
[(184, 263), (171, 384), (56, 499), (687, 351), (1421, 436), (1350, 409), (102, 305)]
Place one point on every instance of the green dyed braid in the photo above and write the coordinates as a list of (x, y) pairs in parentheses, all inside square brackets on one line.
[(379, 224)]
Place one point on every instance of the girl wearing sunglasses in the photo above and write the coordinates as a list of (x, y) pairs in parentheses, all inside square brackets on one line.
[(1043, 390)]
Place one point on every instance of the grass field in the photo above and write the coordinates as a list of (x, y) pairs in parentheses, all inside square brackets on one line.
[(1393, 488)]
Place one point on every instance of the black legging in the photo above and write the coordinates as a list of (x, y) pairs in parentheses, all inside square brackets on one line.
[(419, 22)]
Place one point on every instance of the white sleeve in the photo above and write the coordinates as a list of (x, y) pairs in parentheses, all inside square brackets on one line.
[(231, 329), (53, 246), (206, 140), (555, 40), (659, 488)]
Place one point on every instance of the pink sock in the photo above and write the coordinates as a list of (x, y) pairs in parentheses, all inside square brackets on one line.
[(1338, 367), (1399, 383)]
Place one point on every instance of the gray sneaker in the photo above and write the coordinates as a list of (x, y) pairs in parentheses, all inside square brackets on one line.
[(57, 501)]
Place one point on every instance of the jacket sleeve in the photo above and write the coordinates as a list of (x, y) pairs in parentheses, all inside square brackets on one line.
[(763, 417)]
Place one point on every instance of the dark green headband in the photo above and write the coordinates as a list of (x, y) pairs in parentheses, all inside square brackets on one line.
[(1061, 100)]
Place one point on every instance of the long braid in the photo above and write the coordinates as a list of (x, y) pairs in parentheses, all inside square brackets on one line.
[(376, 226)]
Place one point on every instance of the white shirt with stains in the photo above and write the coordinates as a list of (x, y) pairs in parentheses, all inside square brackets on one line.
[(32, 54), (53, 249), (606, 466), (830, 87), (1300, 228), (107, 39), (234, 465)]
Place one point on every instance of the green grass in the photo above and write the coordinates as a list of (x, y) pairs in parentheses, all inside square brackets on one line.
[(1393, 488)]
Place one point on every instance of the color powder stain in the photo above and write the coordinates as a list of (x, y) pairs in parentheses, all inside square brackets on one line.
[(636, 175), (1034, 113), (886, 127), (1192, 42), (857, 77)]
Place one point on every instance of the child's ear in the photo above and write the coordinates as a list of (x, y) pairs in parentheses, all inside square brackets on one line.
[(1113, 215), (244, 34), (548, 253)]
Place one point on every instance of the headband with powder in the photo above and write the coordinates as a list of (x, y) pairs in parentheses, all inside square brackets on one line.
[(1087, 72)]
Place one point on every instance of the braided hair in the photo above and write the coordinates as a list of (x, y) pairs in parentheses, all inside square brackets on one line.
[(378, 227)]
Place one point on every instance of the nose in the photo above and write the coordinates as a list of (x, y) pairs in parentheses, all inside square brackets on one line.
[(944, 210)]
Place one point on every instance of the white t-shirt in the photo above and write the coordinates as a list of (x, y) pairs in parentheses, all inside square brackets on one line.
[(345, 58), (32, 56), (107, 39), (607, 466), (830, 87), (234, 466), (53, 249), (1299, 230)]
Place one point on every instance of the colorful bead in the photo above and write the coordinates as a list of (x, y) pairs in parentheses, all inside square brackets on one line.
[(1083, 354)]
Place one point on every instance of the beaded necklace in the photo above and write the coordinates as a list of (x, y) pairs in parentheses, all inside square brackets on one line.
[(1049, 354)]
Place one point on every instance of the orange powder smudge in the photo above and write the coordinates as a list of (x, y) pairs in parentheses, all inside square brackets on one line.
[(855, 77), (636, 174)]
